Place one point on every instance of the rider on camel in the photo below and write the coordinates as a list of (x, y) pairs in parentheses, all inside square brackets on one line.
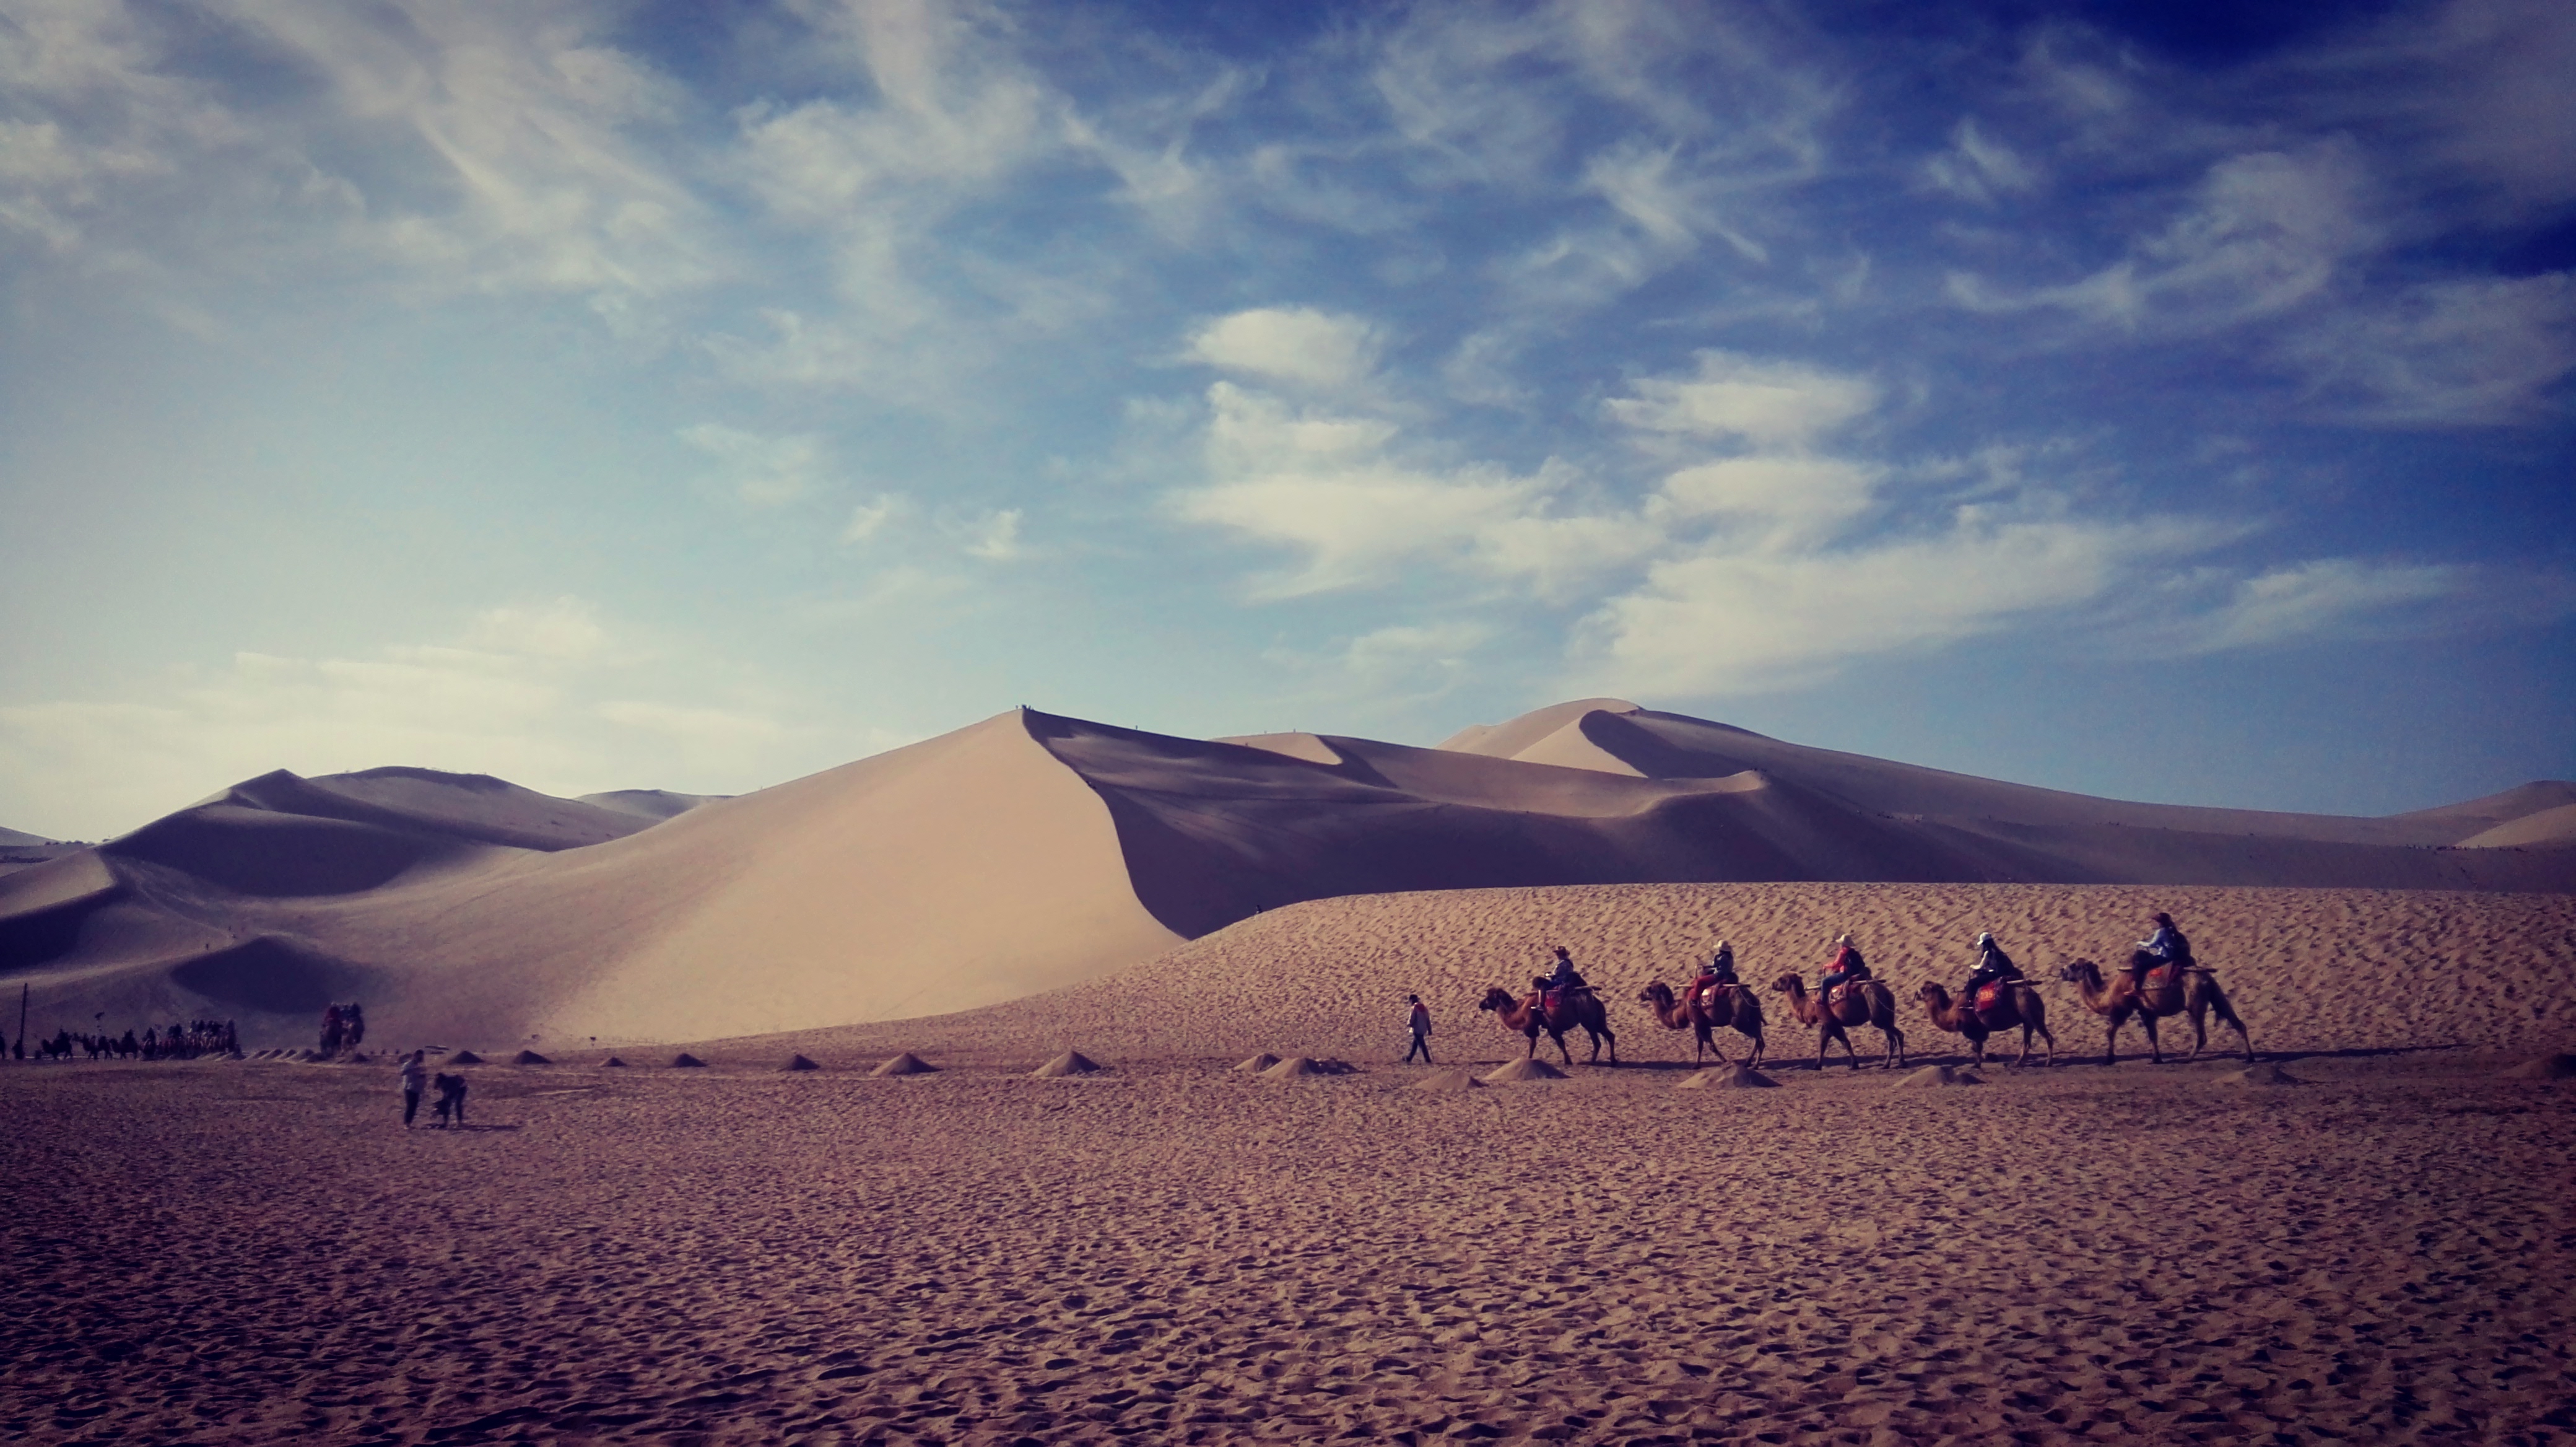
[(1847, 965), (2165, 947), (1719, 971), (1564, 979), (1992, 965)]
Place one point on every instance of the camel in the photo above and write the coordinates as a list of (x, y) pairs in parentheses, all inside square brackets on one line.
[(1529, 1015), (2163, 996), (1724, 1006), (1866, 1003), (2016, 1003)]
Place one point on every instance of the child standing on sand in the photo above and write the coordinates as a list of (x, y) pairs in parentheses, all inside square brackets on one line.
[(1418, 1021)]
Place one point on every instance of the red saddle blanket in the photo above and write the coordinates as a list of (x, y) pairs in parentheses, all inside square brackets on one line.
[(1989, 994), (1848, 990)]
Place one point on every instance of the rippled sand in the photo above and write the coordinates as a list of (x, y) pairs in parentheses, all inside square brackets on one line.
[(240, 1253)]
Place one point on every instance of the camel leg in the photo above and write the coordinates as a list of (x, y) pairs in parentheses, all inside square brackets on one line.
[(1559, 1037), (2111, 1044), (2155, 1047), (1895, 1045)]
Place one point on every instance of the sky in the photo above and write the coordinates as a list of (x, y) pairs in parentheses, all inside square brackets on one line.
[(2167, 402)]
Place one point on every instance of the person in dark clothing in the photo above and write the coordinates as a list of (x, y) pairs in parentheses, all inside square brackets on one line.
[(1992, 965), (1417, 1023), (451, 1099), (1564, 978), (1719, 971)]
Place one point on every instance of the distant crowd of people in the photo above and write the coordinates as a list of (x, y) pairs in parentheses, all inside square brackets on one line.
[(184, 1040), (343, 1027)]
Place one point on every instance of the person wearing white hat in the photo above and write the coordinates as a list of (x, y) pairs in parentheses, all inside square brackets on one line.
[(1992, 964)]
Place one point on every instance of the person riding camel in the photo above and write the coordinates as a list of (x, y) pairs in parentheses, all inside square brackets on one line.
[(1847, 966), (1563, 980), (1992, 965), (2165, 947), (1718, 971)]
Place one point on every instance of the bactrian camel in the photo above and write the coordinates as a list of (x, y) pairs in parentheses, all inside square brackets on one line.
[(2015, 1002), (1719, 1007), (1530, 1014), (2121, 999), (1862, 1002)]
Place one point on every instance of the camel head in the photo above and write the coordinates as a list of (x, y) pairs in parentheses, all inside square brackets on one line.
[(1497, 998), (2077, 970), (1656, 994), (1789, 984), (1934, 992)]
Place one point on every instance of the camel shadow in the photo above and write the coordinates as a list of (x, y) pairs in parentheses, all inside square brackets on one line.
[(512, 1126)]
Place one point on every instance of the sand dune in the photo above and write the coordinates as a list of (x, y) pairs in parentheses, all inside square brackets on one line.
[(2309, 970), (1033, 851)]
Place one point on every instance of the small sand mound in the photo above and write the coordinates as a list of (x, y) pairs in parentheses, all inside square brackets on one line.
[(1071, 1062), (1296, 1066), (1942, 1075), (1728, 1077), (685, 1061), (1448, 1080), (1530, 1068), (799, 1062), (464, 1057), (2260, 1075), (529, 1057), (908, 1064), (1257, 1063), (2548, 1067), (612, 1063)]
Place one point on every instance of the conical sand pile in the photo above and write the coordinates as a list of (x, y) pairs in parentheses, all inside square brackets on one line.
[(685, 1061), (2260, 1075), (905, 1064), (1943, 1075), (1071, 1062), (612, 1062), (799, 1062), (1257, 1063), (529, 1057), (2548, 1067), (1449, 1080), (1297, 1066), (1728, 1077), (1529, 1068), (464, 1057)]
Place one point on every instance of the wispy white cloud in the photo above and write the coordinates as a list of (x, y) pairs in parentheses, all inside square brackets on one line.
[(1979, 167), (1296, 345), (2482, 352), (1768, 404), (761, 470)]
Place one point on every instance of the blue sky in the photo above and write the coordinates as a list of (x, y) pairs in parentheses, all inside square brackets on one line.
[(2168, 403)]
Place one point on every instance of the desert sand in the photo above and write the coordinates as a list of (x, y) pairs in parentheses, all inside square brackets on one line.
[(1033, 851), (1171, 1251)]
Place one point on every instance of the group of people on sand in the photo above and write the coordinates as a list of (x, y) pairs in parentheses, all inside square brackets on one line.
[(449, 1105), (343, 1027), (2166, 946), (184, 1040)]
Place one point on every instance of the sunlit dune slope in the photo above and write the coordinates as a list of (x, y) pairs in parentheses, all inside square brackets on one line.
[(963, 870)]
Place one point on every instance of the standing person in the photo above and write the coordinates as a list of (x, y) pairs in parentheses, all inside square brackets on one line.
[(354, 1025), (331, 1030), (451, 1098), (1417, 1021), (415, 1077)]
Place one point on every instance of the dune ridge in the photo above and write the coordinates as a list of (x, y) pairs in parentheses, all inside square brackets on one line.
[(1033, 850)]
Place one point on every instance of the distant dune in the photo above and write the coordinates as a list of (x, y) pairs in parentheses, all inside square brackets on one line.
[(1032, 852)]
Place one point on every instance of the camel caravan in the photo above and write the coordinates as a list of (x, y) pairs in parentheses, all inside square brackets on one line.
[(2161, 981)]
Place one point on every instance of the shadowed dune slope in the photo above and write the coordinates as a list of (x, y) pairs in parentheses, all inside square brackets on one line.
[(2309, 970), (967, 869)]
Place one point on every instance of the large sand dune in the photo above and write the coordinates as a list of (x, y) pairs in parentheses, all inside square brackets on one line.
[(1033, 851)]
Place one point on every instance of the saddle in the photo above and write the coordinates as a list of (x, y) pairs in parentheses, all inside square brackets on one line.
[(1989, 995), (1708, 996), (1848, 990)]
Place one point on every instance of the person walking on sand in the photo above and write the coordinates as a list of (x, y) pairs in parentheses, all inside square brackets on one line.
[(451, 1099), (415, 1078), (1417, 1021)]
